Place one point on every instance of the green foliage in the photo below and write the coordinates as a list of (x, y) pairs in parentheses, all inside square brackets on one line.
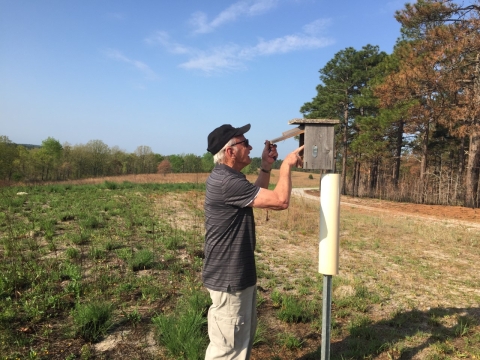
[(90, 222), (92, 320), (97, 253), (182, 332), (207, 162), (72, 253), (276, 297), (260, 334), (133, 317), (8, 154), (81, 238), (294, 310), (110, 185), (141, 260), (360, 301), (290, 341)]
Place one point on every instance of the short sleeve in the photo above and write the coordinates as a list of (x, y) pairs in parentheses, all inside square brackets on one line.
[(238, 191)]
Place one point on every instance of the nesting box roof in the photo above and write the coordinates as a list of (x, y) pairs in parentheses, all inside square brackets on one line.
[(314, 121)]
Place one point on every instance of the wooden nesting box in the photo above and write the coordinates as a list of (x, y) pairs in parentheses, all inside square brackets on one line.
[(319, 139)]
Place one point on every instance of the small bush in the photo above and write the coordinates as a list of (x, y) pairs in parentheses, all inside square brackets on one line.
[(48, 225), (92, 320), (110, 185), (67, 216), (96, 253), (260, 334), (172, 242), (90, 222), (290, 341), (111, 245), (141, 260), (81, 238), (133, 317), (276, 298), (182, 334), (73, 253), (294, 310)]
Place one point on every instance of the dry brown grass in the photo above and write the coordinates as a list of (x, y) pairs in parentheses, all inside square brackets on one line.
[(299, 179)]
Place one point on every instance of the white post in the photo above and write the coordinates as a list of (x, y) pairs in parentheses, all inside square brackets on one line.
[(328, 249)]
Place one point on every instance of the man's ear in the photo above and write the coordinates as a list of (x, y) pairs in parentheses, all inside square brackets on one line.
[(230, 152)]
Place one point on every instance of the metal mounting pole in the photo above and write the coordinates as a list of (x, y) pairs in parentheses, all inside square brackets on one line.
[(326, 316)]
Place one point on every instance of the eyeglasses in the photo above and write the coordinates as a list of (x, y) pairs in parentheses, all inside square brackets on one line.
[(243, 141)]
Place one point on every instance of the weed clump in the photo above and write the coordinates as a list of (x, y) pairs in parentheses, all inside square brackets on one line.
[(293, 310), (182, 332), (92, 320), (141, 260)]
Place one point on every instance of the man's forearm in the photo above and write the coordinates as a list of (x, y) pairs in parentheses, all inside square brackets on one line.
[(263, 179), (283, 189)]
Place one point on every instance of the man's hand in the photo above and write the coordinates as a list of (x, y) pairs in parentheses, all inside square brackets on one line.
[(294, 159), (269, 154)]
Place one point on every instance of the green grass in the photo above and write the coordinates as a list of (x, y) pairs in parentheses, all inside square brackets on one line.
[(182, 332), (92, 320)]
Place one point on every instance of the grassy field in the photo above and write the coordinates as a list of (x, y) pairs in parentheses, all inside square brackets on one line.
[(110, 269)]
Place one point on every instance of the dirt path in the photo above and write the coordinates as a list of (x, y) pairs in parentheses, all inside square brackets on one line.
[(454, 215)]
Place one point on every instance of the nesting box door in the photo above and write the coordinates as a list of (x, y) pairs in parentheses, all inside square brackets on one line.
[(318, 153)]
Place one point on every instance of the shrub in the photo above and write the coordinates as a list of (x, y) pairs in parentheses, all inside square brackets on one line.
[(92, 320), (290, 341), (110, 185), (90, 222), (73, 253), (182, 335), (81, 238), (141, 260), (294, 310), (96, 253)]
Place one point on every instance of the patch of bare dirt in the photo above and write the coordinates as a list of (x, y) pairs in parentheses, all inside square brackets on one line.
[(458, 214)]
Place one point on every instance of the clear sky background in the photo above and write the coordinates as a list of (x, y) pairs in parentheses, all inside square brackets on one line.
[(166, 73)]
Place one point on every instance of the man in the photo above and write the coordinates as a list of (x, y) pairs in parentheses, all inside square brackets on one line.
[(229, 271)]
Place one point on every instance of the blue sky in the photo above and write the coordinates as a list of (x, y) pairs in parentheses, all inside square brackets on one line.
[(166, 73)]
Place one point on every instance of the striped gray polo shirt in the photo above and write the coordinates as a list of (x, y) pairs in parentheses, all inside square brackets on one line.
[(229, 263)]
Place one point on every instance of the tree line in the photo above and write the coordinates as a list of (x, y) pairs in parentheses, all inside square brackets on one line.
[(53, 161), (410, 120)]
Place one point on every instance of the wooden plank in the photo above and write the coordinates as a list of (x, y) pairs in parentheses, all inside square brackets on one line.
[(314, 121), (288, 134)]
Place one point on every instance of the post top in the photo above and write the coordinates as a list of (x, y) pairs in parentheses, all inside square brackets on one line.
[(314, 121)]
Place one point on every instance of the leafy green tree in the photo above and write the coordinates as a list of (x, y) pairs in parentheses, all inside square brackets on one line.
[(176, 163), (8, 154), (50, 156), (116, 160), (192, 163), (98, 153), (146, 161), (343, 79), (256, 163), (207, 162)]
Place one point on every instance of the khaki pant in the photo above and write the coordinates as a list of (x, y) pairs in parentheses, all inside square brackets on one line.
[(232, 322)]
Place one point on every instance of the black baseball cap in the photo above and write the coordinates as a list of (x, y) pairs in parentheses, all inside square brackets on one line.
[(222, 135)]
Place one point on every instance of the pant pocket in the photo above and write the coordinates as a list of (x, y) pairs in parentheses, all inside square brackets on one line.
[(222, 329)]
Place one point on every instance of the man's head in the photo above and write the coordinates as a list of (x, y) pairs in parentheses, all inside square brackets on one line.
[(221, 143)]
